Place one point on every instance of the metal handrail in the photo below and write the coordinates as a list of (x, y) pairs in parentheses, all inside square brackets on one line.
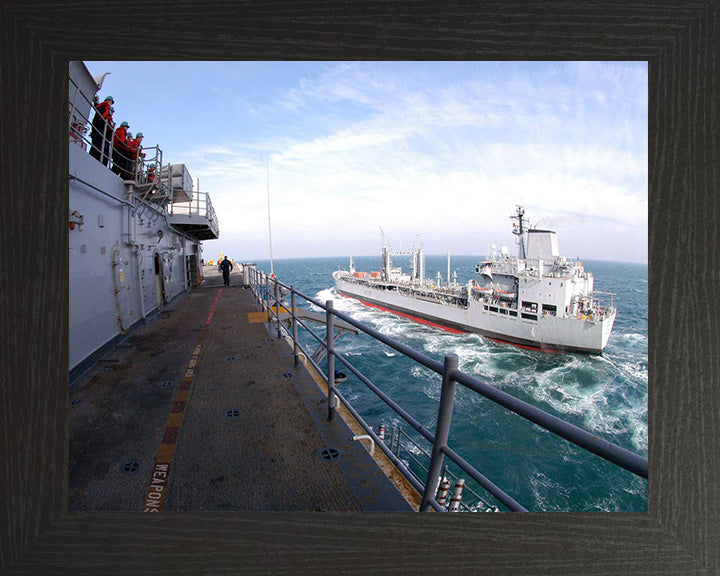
[(446, 472), (450, 375)]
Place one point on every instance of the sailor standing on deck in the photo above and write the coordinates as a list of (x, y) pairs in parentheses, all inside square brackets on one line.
[(120, 150), (109, 131), (103, 115), (135, 147), (226, 266)]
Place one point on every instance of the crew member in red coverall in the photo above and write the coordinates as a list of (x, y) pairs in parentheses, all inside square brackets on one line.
[(103, 114), (120, 150), (135, 145)]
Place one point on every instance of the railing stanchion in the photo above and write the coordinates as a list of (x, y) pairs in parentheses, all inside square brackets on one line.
[(294, 324), (442, 430), (255, 273), (330, 347), (451, 375), (277, 308), (267, 295)]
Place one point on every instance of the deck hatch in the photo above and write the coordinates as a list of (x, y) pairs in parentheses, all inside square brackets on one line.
[(328, 453), (130, 467)]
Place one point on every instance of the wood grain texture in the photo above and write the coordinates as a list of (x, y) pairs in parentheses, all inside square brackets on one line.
[(681, 533)]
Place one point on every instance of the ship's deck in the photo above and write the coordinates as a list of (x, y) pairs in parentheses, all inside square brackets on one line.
[(202, 409)]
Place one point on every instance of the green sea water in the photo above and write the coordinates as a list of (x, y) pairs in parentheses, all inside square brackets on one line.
[(606, 395)]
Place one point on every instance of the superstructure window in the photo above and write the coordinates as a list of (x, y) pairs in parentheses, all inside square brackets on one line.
[(493, 309), (513, 313), (549, 309), (530, 307), (529, 317)]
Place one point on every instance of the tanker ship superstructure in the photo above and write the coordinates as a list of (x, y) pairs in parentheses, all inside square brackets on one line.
[(538, 298)]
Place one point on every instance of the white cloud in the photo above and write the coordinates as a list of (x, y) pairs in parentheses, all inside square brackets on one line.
[(450, 163)]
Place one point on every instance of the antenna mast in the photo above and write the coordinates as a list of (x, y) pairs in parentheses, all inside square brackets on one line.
[(519, 230), (272, 271)]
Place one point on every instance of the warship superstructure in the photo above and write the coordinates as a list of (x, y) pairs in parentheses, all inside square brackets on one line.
[(135, 239), (537, 298)]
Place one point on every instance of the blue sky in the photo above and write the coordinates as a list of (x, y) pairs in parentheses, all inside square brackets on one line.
[(446, 149)]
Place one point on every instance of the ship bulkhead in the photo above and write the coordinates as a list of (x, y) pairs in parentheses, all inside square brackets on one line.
[(125, 260), (128, 254)]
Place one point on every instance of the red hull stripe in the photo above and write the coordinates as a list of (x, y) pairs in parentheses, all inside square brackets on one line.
[(526, 347), (414, 318)]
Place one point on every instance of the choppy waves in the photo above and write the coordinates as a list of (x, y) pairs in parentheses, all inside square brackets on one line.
[(606, 395)]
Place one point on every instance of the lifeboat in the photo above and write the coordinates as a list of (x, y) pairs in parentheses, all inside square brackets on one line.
[(505, 295)]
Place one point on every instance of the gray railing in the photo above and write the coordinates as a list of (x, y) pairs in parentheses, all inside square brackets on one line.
[(200, 205), (269, 292), (404, 446), (98, 141)]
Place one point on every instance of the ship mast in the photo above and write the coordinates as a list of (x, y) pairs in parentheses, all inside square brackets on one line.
[(385, 258), (519, 229), (272, 272)]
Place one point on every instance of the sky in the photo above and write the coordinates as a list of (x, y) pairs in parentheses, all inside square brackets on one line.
[(443, 149)]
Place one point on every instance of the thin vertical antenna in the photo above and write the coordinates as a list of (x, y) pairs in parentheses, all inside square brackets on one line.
[(272, 271)]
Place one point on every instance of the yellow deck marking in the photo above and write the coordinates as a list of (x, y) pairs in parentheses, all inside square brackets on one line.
[(175, 419), (256, 317), (166, 452), (155, 494), (283, 310)]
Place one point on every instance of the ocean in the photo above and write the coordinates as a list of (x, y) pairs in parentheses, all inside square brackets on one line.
[(606, 395)]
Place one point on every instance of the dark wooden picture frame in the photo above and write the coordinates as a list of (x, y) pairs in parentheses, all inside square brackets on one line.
[(681, 532)]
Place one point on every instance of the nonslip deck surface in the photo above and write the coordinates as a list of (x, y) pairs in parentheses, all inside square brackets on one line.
[(203, 409)]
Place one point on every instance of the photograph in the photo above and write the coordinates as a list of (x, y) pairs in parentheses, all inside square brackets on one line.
[(300, 288), (358, 286)]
